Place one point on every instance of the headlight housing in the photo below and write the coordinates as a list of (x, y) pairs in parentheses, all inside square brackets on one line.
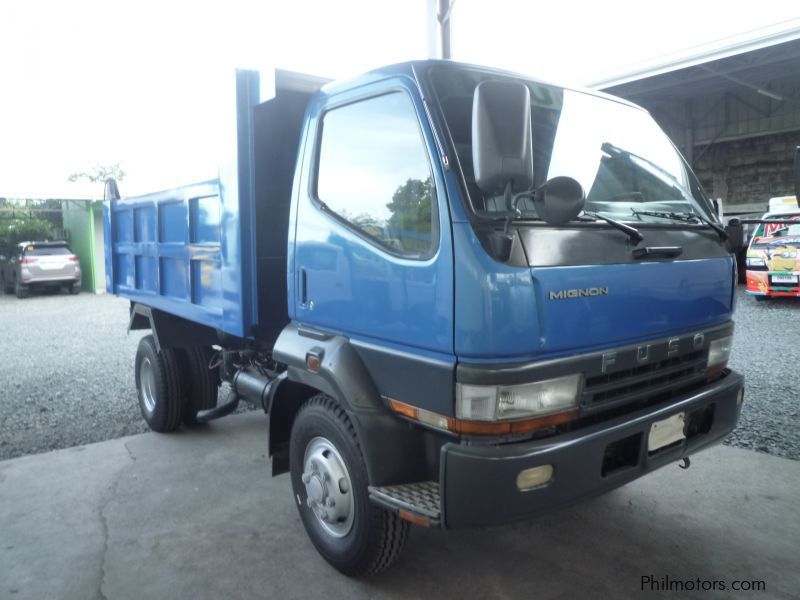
[(527, 400), (755, 261), (719, 351)]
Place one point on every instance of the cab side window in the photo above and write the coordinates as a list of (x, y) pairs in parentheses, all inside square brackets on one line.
[(375, 176)]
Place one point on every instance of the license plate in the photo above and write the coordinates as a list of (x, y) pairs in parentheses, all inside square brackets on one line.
[(50, 266), (666, 432), (784, 278)]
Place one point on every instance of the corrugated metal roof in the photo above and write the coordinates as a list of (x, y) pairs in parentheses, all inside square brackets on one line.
[(78, 190), (749, 41)]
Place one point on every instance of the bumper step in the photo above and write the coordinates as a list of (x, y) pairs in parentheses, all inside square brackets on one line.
[(420, 499)]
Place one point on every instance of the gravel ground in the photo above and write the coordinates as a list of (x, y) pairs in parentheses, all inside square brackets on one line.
[(67, 374), (765, 350)]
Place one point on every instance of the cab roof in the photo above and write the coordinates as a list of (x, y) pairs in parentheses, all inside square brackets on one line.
[(413, 68)]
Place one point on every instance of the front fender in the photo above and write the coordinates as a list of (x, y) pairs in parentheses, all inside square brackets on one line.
[(342, 374), (393, 450)]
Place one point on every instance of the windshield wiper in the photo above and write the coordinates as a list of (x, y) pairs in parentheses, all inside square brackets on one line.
[(513, 202), (686, 217), (632, 233)]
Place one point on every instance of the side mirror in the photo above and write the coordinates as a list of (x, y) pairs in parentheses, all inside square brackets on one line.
[(560, 200), (797, 174), (502, 147), (735, 233)]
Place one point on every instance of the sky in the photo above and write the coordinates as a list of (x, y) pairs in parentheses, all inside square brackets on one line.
[(141, 82)]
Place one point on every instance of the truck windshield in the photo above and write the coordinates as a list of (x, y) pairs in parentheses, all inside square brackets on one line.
[(617, 152)]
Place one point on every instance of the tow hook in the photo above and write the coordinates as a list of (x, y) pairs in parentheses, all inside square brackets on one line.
[(685, 463)]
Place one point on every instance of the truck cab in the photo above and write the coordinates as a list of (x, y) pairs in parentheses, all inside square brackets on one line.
[(573, 325), (463, 296)]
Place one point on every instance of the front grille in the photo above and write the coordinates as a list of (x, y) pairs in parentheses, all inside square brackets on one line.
[(658, 378)]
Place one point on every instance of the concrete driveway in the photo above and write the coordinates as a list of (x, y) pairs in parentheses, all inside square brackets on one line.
[(196, 515)]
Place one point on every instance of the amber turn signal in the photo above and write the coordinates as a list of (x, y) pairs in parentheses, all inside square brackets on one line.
[(465, 427)]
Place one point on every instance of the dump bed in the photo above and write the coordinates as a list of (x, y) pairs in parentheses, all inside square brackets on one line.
[(215, 252)]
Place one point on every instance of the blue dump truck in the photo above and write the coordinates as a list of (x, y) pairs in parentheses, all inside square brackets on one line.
[(462, 296)]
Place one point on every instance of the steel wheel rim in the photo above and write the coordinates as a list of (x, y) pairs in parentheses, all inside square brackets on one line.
[(329, 489), (147, 385)]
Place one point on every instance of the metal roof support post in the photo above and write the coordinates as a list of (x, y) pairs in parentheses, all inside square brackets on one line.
[(444, 15), (688, 134), (439, 28)]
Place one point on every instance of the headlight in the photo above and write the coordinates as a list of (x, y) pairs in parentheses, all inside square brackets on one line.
[(755, 261), (505, 402), (719, 351)]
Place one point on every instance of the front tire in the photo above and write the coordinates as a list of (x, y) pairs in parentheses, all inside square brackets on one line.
[(159, 383), (329, 480)]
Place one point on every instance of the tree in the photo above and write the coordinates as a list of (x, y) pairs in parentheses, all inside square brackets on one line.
[(99, 173), (15, 212), (14, 231), (411, 212), (366, 222)]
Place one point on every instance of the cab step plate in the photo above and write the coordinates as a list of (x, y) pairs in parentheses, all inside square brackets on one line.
[(421, 498)]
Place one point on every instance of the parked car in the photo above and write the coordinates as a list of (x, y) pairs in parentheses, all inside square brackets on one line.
[(773, 269), (40, 265)]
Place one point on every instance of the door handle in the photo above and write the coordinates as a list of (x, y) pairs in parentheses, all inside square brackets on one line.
[(303, 282)]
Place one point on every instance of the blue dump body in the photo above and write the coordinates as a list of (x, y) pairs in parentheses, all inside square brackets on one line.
[(506, 295), (168, 253), (193, 251)]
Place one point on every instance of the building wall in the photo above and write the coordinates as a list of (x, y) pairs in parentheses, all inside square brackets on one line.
[(99, 250), (79, 227), (749, 170), (738, 141), (721, 116)]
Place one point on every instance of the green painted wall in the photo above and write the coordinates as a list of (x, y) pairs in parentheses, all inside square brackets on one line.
[(79, 222)]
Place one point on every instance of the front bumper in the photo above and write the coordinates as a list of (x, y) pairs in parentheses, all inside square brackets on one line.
[(38, 280), (478, 483), (759, 283)]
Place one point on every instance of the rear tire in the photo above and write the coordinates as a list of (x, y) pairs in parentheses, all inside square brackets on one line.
[(8, 288), (762, 298), (75, 289), (352, 534), (160, 386), (203, 383), (21, 291)]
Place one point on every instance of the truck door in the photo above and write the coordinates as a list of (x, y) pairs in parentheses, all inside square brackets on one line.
[(373, 252)]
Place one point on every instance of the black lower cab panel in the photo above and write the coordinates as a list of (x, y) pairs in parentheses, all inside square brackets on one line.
[(480, 484)]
